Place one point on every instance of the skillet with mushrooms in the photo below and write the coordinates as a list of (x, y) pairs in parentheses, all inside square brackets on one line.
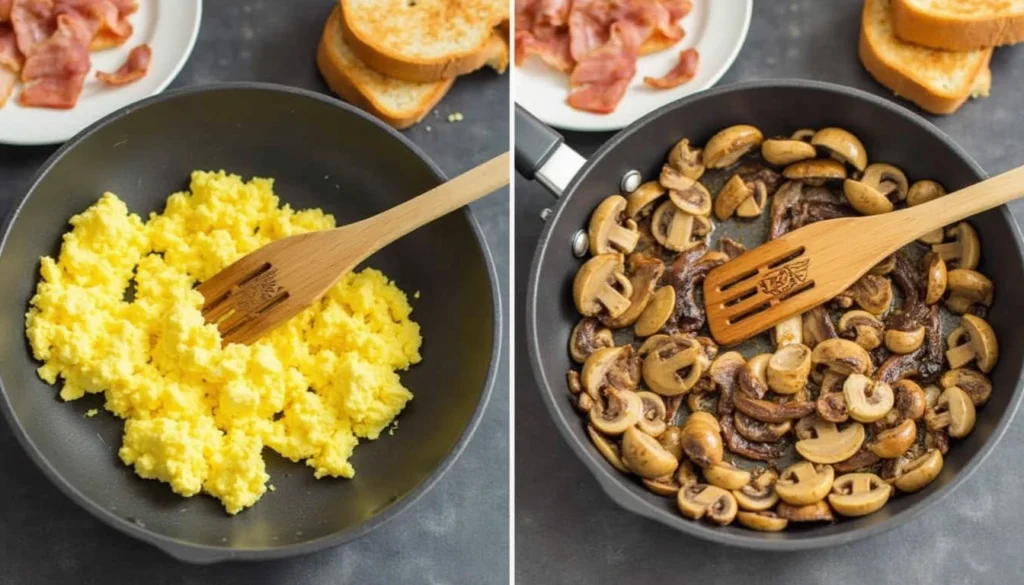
[(840, 409)]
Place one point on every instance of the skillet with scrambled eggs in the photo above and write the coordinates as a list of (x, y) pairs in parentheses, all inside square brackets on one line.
[(198, 415)]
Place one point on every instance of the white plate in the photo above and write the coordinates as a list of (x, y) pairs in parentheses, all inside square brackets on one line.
[(716, 28), (169, 27)]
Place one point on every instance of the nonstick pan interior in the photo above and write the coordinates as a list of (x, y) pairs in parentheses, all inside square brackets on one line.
[(321, 154), (890, 134)]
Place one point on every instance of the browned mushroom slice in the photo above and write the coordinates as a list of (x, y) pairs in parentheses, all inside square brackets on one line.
[(790, 330), (677, 230), (609, 367), (910, 404), (920, 472), (829, 444), (608, 449), (782, 152), (858, 494), (726, 476), (861, 460), (902, 342), (687, 159), (783, 203), (700, 500), (601, 285), (758, 431), (979, 347), (816, 512), (729, 145), (652, 419), (789, 368), (610, 230), (644, 456), (701, 439), (842, 146), (671, 441), (894, 442), (831, 407), (817, 327), (762, 521), (673, 368), (670, 485), (587, 337), (733, 193), (620, 410), (863, 328), (975, 384), (644, 274), (878, 189), (815, 171), (954, 413), (871, 292), (866, 399), (685, 274), (657, 312), (804, 483), (771, 412), (936, 278), (967, 288), (641, 202), (965, 249), (841, 356), (689, 195), (759, 493)]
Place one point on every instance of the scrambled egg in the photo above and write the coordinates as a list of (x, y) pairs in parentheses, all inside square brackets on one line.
[(198, 415)]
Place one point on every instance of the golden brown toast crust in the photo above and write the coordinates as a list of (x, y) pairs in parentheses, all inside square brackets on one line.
[(421, 70), (332, 69), (903, 85), (954, 34)]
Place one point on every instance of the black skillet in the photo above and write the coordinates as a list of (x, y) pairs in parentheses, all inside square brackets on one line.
[(321, 153), (889, 132)]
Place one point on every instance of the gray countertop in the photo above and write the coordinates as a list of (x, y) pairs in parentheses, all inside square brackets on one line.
[(567, 531), (458, 532)]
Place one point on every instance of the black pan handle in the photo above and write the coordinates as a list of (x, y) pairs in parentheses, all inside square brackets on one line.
[(541, 154)]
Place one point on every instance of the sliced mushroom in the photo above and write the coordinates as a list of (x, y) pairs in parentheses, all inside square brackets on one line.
[(642, 201), (652, 420), (671, 441), (863, 328), (815, 171), (662, 367), (726, 476), (733, 193), (762, 521), (936, 277), (842, 146), (768, 411), (885, 266), (954, 412), (729, 145), (862, 460), (911, 404), (816, 512), (830, 445), (644, 456), (687, 159), (788, 331), (804, 483), (782, 152), (587, 337), (572, 378), (894, 442), (610, 366), (965, 249), (601, 284), (876, 191), (644, 274), (903, 342), (858, 494), (975, 384), (871, 292), (701, 439), (689, 195), (669, 485), (760, 431), (620, 410), (981, 346), (788, 369), (584, 402), (610, 230), (677, 230), (758, 366), (608, 449), (923, 192), (841, 356), (831, 406), (758, 494), (867, 400), (966, 289), (920, 472), (657, 312), (803, 134), (818, 327), (700, 500)]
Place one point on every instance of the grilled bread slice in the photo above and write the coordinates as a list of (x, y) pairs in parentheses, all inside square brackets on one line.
[(938, 81), (956, 25), (422, 40)]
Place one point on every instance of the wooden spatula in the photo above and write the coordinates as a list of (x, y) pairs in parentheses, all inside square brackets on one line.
[(809, 266), (266, 287)]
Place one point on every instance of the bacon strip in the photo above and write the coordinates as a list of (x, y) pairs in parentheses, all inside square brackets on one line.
[(5, 10), (109, 26), (600, 80), (33, 23), (684, 71), (134, 68), (55, 71)]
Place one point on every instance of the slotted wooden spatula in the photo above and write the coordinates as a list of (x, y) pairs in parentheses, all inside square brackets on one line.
[(265, 288), (806, 267)]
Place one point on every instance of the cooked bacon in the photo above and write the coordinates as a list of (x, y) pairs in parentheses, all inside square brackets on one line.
[(134, 68), (678, 8), (33, 23), (684, 71), (10, 56), (600, 80), (541, 30), (55, 71), (5, 10), (109, 26), (7, 80)]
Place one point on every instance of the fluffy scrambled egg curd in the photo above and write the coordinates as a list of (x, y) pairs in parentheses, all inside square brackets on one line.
[(198, 415)]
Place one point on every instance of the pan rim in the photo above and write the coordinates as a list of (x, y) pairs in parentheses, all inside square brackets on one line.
[(206, 554), (611, 482)]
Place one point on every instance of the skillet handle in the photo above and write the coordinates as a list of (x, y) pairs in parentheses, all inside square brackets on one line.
[(541, 154)]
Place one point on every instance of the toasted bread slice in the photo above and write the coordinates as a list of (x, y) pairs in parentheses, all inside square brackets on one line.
[(422, 40), (937, 81), (956, 25), (399, 103)]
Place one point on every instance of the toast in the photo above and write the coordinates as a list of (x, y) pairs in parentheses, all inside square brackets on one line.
[(937, 81), (956, 25), (422, 40), (399, 103)]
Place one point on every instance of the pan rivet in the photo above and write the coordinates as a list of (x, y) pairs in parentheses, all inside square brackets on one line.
[(580, 244), (545, 213), (630, 181)]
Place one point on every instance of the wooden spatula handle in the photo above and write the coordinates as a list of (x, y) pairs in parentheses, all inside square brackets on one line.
[(475, 183), (916, 221)]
